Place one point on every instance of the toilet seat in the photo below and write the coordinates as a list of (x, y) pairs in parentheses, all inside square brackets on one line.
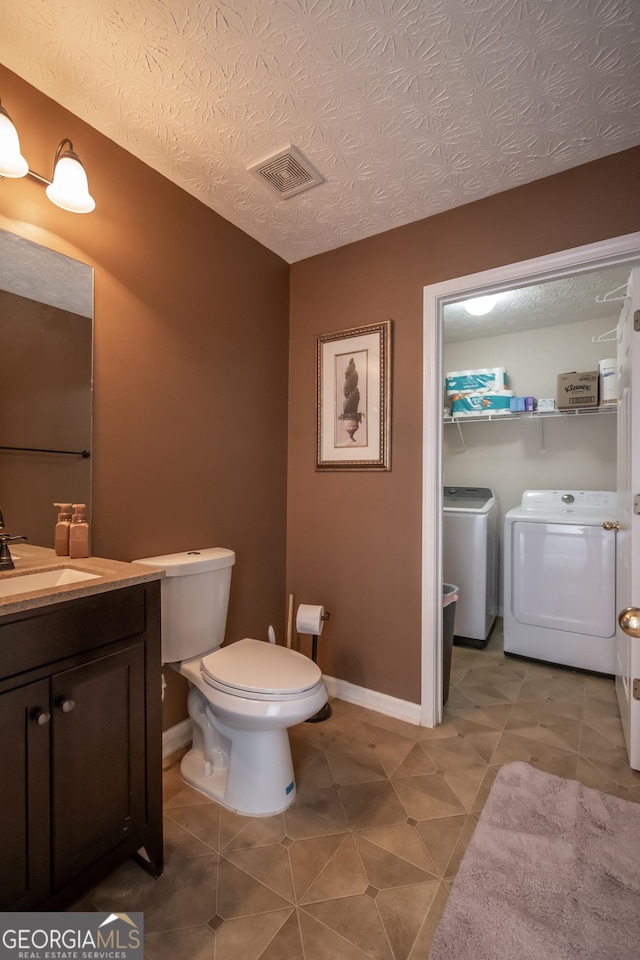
[(260, 671)]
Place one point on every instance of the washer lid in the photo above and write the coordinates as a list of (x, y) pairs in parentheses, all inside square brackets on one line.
[(256, 666), (468, 499)]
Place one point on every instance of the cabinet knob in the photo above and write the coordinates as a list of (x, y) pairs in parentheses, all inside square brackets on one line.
[(42, 717), (67, 705), (611, 525)]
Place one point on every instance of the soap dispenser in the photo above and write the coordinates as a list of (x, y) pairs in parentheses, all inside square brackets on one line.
[(79, 533), (62, 529)]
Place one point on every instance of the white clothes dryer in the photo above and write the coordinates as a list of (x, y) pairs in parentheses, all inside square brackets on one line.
[(470, 551), (560, 578)]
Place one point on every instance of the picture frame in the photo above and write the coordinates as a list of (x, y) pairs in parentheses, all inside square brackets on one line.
[(353, 389)]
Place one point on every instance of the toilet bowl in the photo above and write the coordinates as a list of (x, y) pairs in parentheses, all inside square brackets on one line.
[(246, 726), (242, 698)]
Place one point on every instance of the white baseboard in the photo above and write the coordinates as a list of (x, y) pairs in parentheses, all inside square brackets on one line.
[(373, 700), (176, 737)]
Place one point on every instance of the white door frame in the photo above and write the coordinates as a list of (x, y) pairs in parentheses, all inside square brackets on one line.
[(606, 253)]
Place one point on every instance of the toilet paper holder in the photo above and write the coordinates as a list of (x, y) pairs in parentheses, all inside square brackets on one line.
[(324, 712), (314, 639)]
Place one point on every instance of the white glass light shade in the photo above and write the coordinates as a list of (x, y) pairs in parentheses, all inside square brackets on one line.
[(478, 306), (12, 163), (70, 189)]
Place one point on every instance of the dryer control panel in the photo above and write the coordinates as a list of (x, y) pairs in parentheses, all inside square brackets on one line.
[(550, 500)]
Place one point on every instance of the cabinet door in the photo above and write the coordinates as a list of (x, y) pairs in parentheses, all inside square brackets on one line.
[(24, 796), (98, 747)]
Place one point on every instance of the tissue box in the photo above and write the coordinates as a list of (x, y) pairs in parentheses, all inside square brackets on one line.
[(482, 380), (546, 405), (475, 404), (577, 390)]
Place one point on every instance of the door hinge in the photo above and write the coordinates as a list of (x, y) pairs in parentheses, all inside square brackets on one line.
[(636, 320), (636, 688), (636, 504)]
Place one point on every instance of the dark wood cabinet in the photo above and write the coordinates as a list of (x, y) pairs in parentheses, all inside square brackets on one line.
[(97, 759), (24, 796), (80, 756)]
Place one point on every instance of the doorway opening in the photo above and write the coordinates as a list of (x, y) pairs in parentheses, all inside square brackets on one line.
[(555, 267)]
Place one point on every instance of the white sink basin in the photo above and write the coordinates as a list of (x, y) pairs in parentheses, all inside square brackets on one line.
[(27, 582)]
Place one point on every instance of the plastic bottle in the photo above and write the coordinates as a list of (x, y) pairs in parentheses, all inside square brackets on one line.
[(79, 532), (62, 529)]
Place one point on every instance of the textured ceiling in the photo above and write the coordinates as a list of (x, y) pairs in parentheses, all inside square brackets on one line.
[(588, 296), (406, 107)]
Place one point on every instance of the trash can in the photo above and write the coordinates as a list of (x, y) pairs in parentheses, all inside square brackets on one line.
[(449, 597)]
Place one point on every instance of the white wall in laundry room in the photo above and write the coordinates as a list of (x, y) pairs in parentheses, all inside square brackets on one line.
[(506, 455)]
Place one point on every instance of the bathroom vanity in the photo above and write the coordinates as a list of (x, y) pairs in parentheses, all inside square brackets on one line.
[(80, 715)]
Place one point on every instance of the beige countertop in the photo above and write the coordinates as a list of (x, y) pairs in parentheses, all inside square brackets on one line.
[(31, 559)]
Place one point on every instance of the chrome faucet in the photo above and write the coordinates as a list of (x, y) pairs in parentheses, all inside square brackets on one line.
[(6, 560)]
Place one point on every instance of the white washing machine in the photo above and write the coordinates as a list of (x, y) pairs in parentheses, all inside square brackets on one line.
[(470, 529), (560, 578)]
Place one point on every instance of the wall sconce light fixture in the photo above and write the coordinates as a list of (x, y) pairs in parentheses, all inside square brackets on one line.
[(68, 188)]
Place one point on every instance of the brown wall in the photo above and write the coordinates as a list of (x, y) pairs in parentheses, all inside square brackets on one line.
[(191, 332), (190, 426), (354, 540)]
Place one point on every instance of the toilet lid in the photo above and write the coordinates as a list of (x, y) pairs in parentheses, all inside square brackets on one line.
[(254, 667)]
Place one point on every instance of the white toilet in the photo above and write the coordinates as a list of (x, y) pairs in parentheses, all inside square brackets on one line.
[(242, 698)]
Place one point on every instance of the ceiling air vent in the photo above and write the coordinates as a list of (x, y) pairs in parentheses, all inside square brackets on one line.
[(287, 173)]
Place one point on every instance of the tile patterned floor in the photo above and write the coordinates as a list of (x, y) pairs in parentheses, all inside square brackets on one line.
[(360, 867)]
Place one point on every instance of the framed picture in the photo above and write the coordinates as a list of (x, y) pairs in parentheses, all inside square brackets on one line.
[(353, 399)]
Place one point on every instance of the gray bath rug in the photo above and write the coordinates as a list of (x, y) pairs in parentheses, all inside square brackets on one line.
[(552, 872)]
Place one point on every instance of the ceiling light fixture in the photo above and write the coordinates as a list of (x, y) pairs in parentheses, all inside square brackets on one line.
[(12, 163), (478, 306), (68, 189)]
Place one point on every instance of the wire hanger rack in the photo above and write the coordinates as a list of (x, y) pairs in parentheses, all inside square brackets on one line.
[(611, 295), (610, 335)]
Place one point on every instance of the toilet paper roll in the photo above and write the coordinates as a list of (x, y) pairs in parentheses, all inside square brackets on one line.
[(309, 619)]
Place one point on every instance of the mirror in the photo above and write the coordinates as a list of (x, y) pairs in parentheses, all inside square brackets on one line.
[(46, 335)]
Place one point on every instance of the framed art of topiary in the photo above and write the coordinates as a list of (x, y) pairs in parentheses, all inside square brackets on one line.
[(353, 370)]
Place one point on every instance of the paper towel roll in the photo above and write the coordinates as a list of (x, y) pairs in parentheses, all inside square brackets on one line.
[(309, 619)]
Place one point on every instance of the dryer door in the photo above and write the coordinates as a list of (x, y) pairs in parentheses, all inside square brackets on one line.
[(564, 577)]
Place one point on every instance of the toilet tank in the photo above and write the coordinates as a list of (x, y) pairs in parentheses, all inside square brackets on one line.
[(195, 600)]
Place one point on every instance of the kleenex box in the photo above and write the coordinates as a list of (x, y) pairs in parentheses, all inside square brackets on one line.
[(475, 404), (577, 390)]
